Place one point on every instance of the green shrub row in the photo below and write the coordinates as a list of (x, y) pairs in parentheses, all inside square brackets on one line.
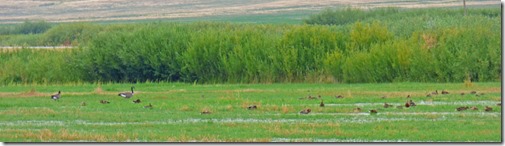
[(442, 48)]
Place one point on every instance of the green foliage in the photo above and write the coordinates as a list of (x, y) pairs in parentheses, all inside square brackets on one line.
[(421, 45), (37, 66), (347, 15), (69, 34), (32, 27)]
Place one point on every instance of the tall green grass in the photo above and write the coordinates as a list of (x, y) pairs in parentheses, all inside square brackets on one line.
[(401, 45)]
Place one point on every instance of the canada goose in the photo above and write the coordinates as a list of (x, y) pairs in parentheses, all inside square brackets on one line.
[(339, 96), (444, 92), (126, 94), (408, 96), (435, 93), (104, 102), (56, 96), (83, 103), (205, 112), (407, 104), (148, 106), (412, 103), (357, 110), (462, 108), (474, 108), (252, 107), (305, 111), (386, 105), (136, 101), (321, 104), (473, 92), (373, 111), (488, 109)]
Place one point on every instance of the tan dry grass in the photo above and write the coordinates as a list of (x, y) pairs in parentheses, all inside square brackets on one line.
[(93, 10)]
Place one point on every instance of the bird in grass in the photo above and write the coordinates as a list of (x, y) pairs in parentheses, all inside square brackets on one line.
[(56, 96), (136, 101), (428, 95), (444, 92), (83, 103), (386, 105), (321, 104), (252, 107), (474, 108), (104, 102), (462, 108), (488, 109), (408, 96), (357, 110), (412, 103), (310, 97), (373, 111), (407, 104), (462, 93), (435, 93), (149, 106), (339, 96), (205, 112), (473, 92), (305, 111), (127, 94)]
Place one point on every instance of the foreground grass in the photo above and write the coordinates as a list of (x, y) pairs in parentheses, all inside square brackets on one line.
[(28, 114)]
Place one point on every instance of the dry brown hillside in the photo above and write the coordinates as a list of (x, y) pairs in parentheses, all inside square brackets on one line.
[(15, 11)]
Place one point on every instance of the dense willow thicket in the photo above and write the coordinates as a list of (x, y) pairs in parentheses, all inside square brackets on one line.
[(423, 45)]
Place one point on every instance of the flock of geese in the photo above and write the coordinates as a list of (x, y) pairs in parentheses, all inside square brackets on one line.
[(126, 95), (409, 103)]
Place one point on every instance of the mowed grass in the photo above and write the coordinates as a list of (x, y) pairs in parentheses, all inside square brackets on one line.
[(27, 114)]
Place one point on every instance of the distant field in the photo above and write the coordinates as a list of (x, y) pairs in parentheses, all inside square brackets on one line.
[(16, 11), (29, 115)]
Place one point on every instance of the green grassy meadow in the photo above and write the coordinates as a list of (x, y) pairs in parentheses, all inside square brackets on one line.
[(29, 114)]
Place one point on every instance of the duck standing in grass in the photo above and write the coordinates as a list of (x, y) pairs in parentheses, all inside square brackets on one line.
[(412, 103), (150, 106), (488, 109), (373, 111), (357, 110), (252, 107), (104, 102), (136, 101), (462, 108), (127, 94), (435, 93), (386, 105), (56, 96), (407, 104), (305, 111), (205, 112)]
